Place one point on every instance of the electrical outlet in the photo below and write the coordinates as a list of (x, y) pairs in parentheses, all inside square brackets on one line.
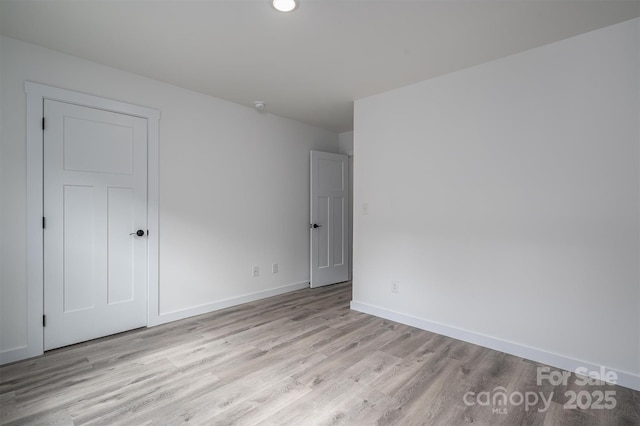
[(274, 268), (255, 271), (395, 286)]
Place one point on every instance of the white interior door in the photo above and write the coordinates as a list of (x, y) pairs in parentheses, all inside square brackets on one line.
[(95, 197), (329, 218)]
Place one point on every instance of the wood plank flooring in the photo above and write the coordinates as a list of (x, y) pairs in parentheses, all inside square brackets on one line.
[(303, 358)]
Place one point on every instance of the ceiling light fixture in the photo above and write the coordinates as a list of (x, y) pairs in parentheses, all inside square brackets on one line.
[(284, 5), (259, 105)]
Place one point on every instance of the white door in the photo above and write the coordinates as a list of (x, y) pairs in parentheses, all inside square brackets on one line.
[(329, 218), (95, 199)]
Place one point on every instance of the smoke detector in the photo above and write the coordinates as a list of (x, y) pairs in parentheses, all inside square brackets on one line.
[(259, 104)]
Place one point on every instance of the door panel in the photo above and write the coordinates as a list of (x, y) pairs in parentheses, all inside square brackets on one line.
[(329, 218), (321, 234), (109, 149), (339, 218), (95, 196), (121, 222), (79, 220)]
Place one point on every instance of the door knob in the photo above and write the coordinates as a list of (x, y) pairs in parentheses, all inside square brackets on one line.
[(315, 225), (139, 233)]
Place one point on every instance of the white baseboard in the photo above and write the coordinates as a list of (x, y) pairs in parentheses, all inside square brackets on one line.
[(628, 380), (164, 318), (15, 354)]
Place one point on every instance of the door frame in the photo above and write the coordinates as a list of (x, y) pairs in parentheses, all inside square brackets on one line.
[(36, 94)]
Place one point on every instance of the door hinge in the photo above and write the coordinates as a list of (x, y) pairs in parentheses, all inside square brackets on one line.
[(147, 232), (44, 222), (44, 320), (42, 123)]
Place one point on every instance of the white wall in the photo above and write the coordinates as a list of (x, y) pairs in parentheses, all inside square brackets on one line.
[(234, 187), (505, 200), (345, 142)]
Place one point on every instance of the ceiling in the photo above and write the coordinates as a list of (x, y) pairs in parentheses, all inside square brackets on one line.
[(311, 64)]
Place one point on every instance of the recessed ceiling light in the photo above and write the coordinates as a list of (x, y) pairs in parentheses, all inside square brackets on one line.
[(284, 5)]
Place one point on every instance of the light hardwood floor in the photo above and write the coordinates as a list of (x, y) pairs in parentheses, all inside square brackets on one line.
[(298, 359)]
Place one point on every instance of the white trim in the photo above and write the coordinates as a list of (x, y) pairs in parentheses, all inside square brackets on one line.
[(626, 379), (36, 93), (15, 354), (153, 239), (48, 92), (233, 301), (34, 345)]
